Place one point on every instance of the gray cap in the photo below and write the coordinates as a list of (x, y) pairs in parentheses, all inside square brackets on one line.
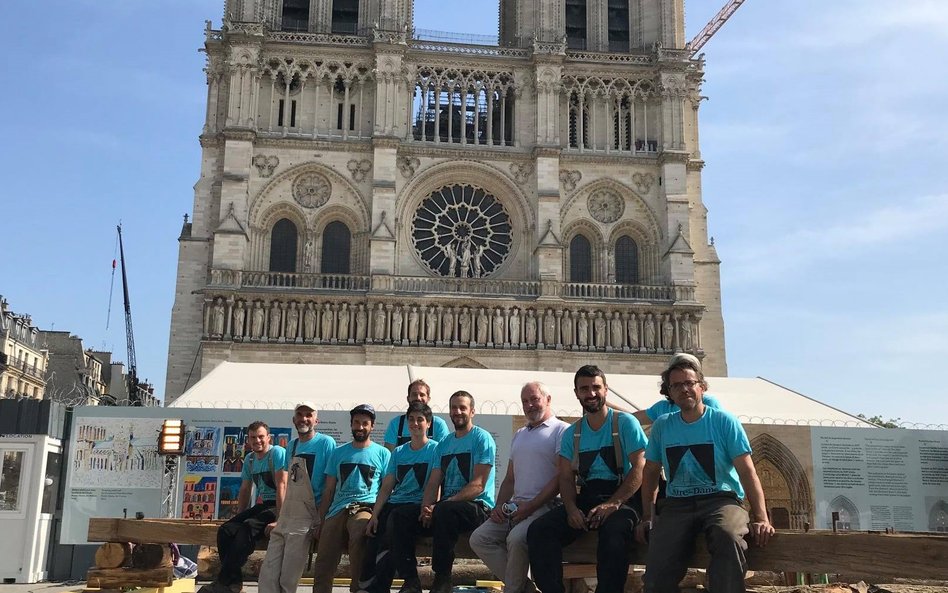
[(366, 409), (683, 357)]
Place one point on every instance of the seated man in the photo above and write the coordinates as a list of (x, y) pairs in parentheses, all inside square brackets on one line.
[(263, 469), (401, 492), (603, 454), (352, 483), (398, 431), (707, 461), (292, 533)]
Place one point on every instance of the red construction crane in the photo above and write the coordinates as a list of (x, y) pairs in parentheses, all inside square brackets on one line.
[(713, 25)]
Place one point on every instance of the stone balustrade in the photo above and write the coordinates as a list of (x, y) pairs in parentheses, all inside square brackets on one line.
[(639, 327)]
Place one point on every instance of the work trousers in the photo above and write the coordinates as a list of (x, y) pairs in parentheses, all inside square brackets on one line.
[(722, 520), (504, 549), (549, 534), (378, 565), (237, 538), (405, 529), (343, 531), (449, 520)]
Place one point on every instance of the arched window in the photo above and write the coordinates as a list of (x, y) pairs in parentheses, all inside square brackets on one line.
[(337, 246), (580, 260), (283, 241), (627, 261)]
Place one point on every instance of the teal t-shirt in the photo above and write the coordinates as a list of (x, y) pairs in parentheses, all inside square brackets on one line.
[(395, 437), (316, 452), (663, 406), (260, 471), (699, 457), (597, 457), (457, 458), (358, 473), (411, 470)]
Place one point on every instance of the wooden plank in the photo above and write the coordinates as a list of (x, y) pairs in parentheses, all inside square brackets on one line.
[(114, 578), (153, 531), (113, 555)]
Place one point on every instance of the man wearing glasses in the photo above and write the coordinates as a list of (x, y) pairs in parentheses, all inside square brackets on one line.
[(707, 461)]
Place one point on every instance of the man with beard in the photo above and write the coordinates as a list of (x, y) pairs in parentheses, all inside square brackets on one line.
[(398, 431), (707, 459), (603, 454), (353, 475), (464, 472), (528, 491), (292, 533), (264, 469), (401, 494)]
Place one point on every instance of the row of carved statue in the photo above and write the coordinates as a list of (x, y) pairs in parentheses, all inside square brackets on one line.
[(447, 325)]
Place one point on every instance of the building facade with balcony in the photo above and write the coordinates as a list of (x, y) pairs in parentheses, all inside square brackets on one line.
[(23, 357), (375, 194)]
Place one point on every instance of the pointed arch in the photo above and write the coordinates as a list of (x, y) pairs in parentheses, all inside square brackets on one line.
[(573, 236), (284, 245), (767, 448), (463, 362), (848, 514)]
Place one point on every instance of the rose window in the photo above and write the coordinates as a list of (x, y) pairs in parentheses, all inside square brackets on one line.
[(462, 231)]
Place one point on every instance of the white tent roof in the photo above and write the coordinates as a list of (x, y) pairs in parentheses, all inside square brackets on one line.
[(342, 387)]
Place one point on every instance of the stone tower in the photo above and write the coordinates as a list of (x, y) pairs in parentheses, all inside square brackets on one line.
[(371, 196)]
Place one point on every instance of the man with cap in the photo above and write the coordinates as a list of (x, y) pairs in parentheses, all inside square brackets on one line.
[(707, 460), (353, 475), (398, 432), (264, 470), (291, 534)]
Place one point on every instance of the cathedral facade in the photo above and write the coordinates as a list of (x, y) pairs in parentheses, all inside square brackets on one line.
[(375, 194)]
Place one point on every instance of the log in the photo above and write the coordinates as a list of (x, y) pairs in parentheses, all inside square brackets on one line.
[(114, 578), (151, 556), (113, 555)]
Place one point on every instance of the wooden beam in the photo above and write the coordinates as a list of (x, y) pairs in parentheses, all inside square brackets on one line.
[(115, 578)]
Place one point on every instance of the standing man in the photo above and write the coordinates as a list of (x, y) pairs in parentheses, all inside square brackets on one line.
[(667, 405), (401, 494), (707, 461), (465, 475), (602, 455), (398, 432), (352, 483), (291, 535), (264, 469), (529, 489)]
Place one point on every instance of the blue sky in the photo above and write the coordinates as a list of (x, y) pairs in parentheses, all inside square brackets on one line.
[(824, 134)]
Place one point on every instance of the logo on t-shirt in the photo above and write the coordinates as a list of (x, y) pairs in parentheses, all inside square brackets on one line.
[(588, 458), (419, 469), (691, 466), (463, 461), (366, 472)]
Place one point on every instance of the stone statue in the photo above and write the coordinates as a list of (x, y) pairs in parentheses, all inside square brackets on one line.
[(275, 328), (582, 330), (379, 323), (687, 334), (451, 255), (617, 329), (308, 255), (239, 315), (481, 326), (309, 322), (500, 336), (361, 323), (648, 332), (566, 328), (549, 328), (530, 328), (292, 321), (431, 324), (217, 317), (465, 259), (256, 321), (599, 328), (342, 330), (513, 322), (397, 324), (447, 325), (479, 261), (668, 333), (328, 322), (464, 323), (633, 326), (413, 324)]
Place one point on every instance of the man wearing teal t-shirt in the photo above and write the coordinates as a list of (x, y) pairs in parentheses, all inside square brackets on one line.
[(398, 432), (464, 472), (353, 475), (707, 461)]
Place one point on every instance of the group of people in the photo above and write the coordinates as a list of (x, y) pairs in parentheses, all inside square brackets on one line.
[(599, 474)]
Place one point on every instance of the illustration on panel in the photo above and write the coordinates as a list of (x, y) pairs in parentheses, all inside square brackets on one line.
[(117, 453)]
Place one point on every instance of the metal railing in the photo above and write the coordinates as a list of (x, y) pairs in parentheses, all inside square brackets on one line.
[(286, 280)]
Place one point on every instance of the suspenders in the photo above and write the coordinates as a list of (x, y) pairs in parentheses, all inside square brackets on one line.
[(616, 447)]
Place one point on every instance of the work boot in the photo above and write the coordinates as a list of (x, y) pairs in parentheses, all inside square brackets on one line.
[(411, 586), (442, 584)]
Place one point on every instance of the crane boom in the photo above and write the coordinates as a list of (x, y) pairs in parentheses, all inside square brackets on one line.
[(713, 25), (132, 376)]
